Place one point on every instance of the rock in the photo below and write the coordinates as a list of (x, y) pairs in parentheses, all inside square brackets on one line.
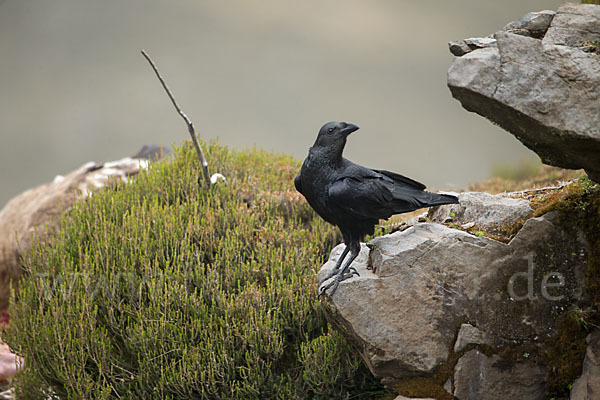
[(408, 398), (468, 334), (34, 212), (152, 152), (587, 387), (479, 377), (482, 209), (403, 313), (574, 25), (545, 94), (534, 24), (459, 48), (465, 46)]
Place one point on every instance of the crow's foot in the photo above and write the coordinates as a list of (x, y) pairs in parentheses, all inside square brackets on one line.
[(331, 273), (339, 277), (341, 274), (336, 268)]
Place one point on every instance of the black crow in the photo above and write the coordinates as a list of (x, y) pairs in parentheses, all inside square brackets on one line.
[(353, 197)]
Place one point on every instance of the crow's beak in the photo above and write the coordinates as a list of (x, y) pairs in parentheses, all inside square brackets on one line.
[(348, 129)]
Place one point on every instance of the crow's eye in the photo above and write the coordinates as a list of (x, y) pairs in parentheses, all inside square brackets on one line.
[(330, 130)]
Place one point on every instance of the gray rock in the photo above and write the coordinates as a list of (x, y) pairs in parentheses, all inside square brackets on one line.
[(459, 48), (482, 209), (462, 47), (448, 386), (411, 398), (479, 377), (468, 334), (480, 43), (546, 95), (534, 24), (574, 24), (416, 286), (587, 386)]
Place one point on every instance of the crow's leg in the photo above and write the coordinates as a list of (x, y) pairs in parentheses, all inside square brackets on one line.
[(335, 269), (341, 275)]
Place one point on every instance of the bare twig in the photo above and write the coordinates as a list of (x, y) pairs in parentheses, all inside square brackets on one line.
[(205, 172)]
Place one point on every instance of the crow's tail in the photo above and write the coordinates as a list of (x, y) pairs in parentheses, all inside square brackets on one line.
[(409, 199), (439, 199)]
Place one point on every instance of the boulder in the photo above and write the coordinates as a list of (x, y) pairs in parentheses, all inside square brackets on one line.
[(417, 287), (479, 377), (545, 92), (587, 387), (37, 211)]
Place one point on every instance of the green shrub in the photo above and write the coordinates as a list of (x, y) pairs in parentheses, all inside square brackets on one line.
[(165, 289)]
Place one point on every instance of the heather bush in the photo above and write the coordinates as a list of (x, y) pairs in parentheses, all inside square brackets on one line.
[(163, 288)]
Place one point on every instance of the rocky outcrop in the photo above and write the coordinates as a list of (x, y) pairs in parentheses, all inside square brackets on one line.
[(432, 293), (36, 211), (540, 80)]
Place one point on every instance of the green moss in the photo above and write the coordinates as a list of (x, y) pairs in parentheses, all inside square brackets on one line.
[(165, 289), (564, 356)]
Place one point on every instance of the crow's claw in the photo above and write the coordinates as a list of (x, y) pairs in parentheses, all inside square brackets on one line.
[(339, 277), (328, 276)]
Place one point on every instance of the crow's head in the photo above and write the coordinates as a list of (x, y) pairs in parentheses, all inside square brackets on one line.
[(333, 134)]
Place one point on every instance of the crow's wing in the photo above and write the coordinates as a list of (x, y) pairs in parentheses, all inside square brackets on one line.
[(370, 197), (298, 184), (401, 179), (366, 193)]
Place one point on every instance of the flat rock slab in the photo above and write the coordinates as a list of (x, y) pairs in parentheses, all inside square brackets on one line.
[(482, 209)]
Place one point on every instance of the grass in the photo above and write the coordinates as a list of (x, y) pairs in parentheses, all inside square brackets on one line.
[(163, 289)]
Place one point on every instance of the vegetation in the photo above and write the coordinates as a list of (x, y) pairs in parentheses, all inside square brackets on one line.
[(163, 288), (525, 175)]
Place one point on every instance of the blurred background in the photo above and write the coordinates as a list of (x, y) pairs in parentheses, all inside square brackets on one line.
[(74, 87)]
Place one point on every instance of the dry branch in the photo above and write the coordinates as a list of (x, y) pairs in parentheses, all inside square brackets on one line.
[(205, 172)]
